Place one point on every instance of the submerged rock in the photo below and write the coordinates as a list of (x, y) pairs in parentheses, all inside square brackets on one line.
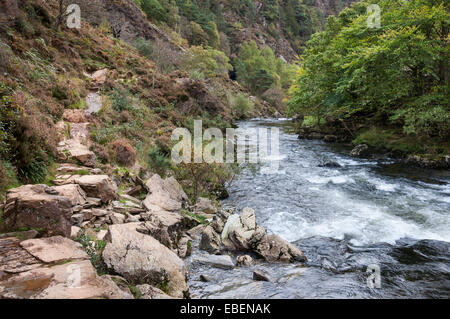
[(330, 165), (222, 261), (261, 275)]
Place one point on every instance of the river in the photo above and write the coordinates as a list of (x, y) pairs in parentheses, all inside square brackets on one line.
[(359, 213)]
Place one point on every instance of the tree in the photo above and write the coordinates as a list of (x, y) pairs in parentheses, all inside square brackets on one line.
[(259, 69), (392, 75), (154, 10), (196, 35), (208, 61)]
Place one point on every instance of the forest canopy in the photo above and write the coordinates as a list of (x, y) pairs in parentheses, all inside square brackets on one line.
[(393, 75)]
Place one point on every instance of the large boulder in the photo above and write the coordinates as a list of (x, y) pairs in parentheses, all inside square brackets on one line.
[(51, 268), (165, 226), (239, 229), (97, 186), (141, 259), (54, 249), (73, 149), (210, 241), (274, 248), (74, 192), (38, 206), (167, 194)]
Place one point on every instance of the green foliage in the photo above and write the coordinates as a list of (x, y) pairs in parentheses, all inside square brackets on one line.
[(210, 62), (213, 35), (259, 69), (242, 106), (196, 35), (94, 249), (22, 143), (154, 10), (158, 161), (393, 75), (270, 9), (121, 99), (144, 47)]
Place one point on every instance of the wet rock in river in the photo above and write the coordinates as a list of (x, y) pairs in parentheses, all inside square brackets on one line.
[(359, 150), (274, 248), (222, 261), (244, 260), (261, 275), (210, 241)]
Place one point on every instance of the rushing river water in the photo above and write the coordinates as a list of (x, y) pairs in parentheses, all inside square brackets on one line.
[(346, 217)]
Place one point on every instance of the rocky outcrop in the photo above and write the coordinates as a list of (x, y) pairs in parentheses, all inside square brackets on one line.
[(205, 207), (141, 259), (66, 272), (96, 186), (54, 249), (73, 192), (164, 226), (167, 194), (274, 248), (238, 230), (210, 241), (74, 150), (241, 233), (39, 207)]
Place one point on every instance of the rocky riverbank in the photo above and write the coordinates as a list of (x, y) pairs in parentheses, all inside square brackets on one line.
[(138, 246)]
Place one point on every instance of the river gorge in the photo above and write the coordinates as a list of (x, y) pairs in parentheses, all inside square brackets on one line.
[(345, 214)]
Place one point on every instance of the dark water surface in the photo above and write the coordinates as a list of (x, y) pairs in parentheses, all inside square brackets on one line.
[(365, 212)]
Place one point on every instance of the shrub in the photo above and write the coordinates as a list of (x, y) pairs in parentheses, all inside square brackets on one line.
[(5, 55), (154, 10), (121, 99), (124, 153), (196, 35), (144, 47), (242, 105), (210, 62), (158, 161)]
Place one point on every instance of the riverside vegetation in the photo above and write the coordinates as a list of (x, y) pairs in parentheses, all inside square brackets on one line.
[(384, 87)]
